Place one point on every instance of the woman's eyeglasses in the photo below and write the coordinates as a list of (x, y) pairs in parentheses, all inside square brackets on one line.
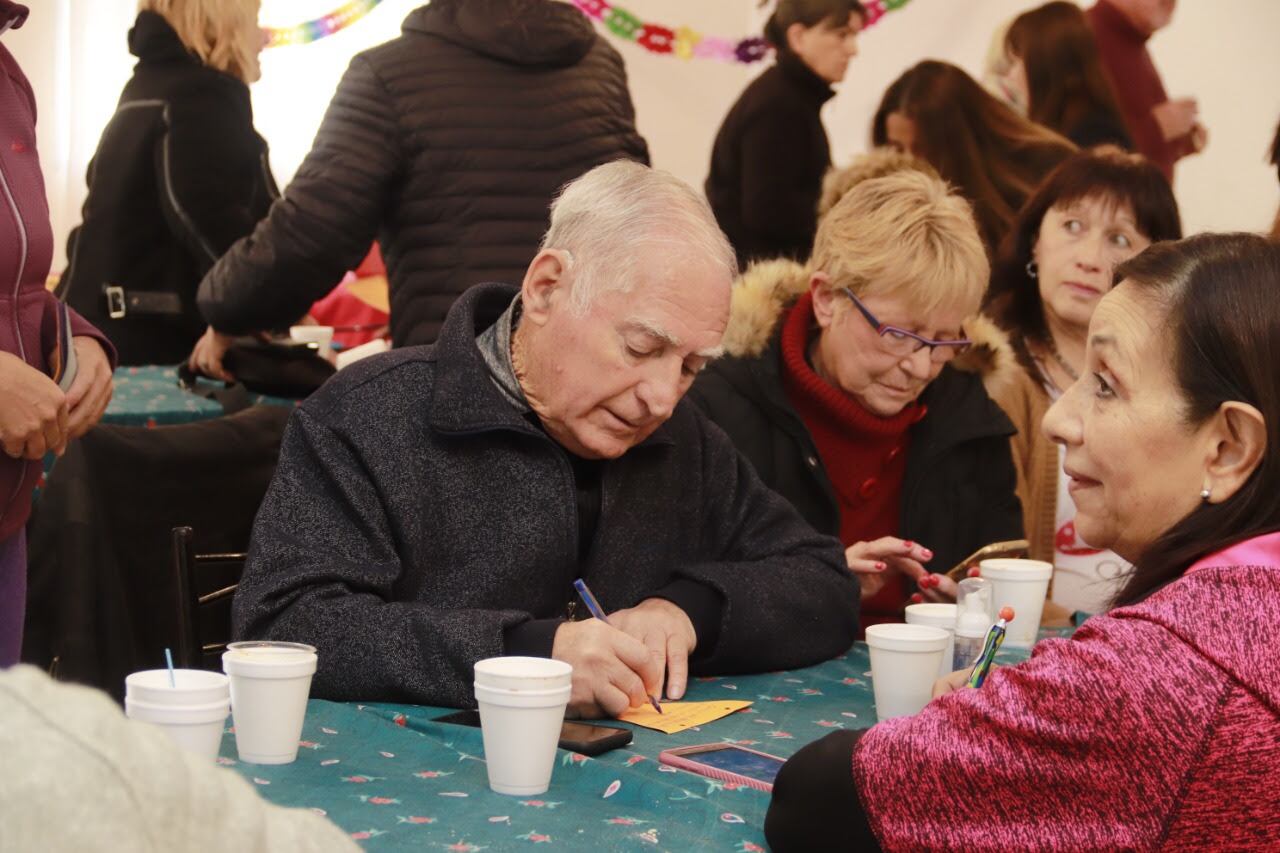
[(903, 343)]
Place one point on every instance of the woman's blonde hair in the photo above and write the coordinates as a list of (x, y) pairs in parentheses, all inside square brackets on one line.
[(876, 163), (223, 33), (904, 234)]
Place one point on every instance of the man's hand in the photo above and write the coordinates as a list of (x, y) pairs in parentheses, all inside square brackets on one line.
[(33, 419), (207, 356), (612, 671), (1176, 118), (91, 389), (668, 633)]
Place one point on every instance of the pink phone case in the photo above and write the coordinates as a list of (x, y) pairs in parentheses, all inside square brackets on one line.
[(675, 758)]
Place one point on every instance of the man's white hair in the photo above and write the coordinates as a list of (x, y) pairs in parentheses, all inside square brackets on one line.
[(605, 218)]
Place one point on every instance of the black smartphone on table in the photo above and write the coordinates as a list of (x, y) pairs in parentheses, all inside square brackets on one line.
[(584, 738)]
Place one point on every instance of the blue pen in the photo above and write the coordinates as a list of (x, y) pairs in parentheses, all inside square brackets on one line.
[(598, 612)]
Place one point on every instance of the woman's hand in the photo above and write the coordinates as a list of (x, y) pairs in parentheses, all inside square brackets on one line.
[(33, 419), (958, 680), (91, 390), (939, 588), (206, 358), (870, 560)]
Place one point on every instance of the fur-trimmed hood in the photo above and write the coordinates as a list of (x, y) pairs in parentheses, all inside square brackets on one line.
[(767, 289)]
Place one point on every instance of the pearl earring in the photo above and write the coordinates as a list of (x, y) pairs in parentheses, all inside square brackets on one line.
[(1204, 495), (1031, 268)]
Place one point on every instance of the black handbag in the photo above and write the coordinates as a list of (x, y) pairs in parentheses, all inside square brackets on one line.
[(275, 368)]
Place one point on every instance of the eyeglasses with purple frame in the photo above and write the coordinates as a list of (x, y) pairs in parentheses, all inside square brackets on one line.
[(901, 342)]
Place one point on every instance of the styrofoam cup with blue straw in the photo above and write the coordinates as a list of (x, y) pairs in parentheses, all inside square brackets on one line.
[(191, 705)]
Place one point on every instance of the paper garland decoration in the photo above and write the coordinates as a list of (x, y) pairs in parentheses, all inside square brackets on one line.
[(655, 38), (689, 44), (316, 29)]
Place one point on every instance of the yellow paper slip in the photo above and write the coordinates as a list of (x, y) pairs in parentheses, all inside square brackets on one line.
[(678, 716)]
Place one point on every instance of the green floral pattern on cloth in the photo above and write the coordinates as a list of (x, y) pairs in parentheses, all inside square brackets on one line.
[(150, 396), (395, 779)]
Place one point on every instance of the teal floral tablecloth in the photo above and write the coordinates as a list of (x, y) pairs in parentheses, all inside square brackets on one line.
[(149, 396), (396, 780)]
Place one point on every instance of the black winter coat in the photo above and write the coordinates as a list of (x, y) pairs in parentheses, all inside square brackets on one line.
[(417, 517), (768, 161), (958, 492), (179, 175), (447, 144)]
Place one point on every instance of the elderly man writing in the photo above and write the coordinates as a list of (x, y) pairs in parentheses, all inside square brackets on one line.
[(433, 506)]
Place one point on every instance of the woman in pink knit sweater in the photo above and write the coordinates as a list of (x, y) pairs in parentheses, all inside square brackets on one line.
[(1157, 726)]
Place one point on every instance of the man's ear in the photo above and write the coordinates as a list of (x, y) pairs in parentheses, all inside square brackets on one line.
[(545, 283), (1239, 439), (795, 37)]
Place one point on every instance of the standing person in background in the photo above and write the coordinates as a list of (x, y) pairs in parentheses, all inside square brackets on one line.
[(772, 150), (995, 72), (1163, 130), (447, 144), (1095, 211), (994, 157), (36, 415), (179, 175), (1055, 70)]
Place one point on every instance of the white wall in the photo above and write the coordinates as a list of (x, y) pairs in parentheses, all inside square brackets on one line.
[(1223, 53)]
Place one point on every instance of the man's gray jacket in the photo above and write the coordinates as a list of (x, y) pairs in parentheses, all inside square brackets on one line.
[(417, 521)]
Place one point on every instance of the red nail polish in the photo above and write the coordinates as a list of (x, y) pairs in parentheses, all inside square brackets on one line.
[(907, 543), (880, 567), (917, 598), (928, 555), (975, 572)]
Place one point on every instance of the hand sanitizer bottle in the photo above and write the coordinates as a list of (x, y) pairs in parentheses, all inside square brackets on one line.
[(975, 605)]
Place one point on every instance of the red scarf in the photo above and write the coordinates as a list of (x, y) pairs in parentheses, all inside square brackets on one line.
[(865, 455)]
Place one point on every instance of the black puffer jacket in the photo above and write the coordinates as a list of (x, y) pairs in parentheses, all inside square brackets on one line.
[(447, 144), (768, 161), (179, 175), (958, 489)]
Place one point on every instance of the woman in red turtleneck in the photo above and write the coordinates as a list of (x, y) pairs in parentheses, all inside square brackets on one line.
[(856, 389)]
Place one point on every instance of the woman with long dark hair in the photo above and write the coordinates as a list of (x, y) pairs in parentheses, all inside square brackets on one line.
[(772, 150), (988, 152), (1095, 211), (1054, 69), (1157, 725)]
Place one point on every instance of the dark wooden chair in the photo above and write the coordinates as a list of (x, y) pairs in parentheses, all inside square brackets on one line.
[(205, 584)]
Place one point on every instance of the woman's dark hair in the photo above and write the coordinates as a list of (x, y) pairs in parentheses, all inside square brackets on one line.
[(994, 157), (1107, 174), (890, 102), (1217, 293), (1066, 85), (1275, 161), (810, 13), (1275, 151)]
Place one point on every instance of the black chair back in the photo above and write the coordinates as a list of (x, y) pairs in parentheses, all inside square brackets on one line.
[(205, 584)]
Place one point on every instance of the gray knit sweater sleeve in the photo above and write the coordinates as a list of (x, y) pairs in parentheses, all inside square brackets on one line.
[(79, 776)]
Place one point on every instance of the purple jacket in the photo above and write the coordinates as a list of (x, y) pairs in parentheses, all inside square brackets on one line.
[(27, 320)]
